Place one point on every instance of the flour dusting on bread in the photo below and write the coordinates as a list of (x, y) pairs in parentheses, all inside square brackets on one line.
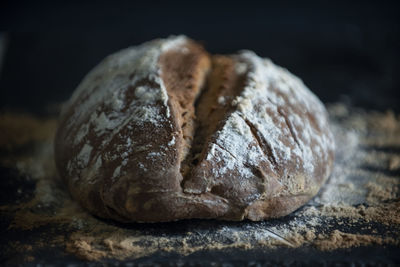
[(100, 99), (164, 131)]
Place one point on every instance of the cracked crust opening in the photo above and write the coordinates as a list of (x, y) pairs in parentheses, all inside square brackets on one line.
[(184, 76)]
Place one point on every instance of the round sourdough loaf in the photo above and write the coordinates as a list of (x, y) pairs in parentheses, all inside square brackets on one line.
[(164, 131)]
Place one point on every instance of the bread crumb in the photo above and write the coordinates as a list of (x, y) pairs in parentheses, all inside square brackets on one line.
[(338, 239), (394, 163)]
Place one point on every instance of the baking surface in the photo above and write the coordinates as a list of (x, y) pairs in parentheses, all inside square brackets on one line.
[(357, 211)]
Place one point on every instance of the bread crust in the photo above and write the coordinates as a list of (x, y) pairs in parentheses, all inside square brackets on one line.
[(164, 132)]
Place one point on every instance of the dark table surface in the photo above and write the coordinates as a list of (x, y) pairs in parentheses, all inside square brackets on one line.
[(348, 52)]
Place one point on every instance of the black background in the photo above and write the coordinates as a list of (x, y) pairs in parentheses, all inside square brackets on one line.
[(344, 51)]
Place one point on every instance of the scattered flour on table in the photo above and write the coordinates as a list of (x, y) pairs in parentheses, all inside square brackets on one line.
[(358, 206)]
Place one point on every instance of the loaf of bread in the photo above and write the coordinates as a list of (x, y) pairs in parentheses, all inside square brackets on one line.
[(164, 131)]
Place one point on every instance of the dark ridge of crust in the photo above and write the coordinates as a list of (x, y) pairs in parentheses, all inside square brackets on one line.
[(223, 81), (184, 76)]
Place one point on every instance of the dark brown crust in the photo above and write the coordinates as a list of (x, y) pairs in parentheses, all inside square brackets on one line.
[(179, 182), (184, 77), (222, 81)]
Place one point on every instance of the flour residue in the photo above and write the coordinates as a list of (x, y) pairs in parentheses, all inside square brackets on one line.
[(358, 206)]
